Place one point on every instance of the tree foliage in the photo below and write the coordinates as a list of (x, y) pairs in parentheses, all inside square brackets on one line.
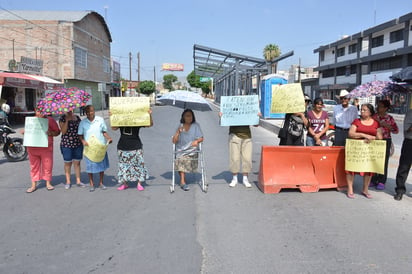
[(147, 87), (270, 53), (194, 81), (168, 81)]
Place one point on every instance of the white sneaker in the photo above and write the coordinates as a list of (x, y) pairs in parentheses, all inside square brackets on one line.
[(246, 183), (233, 183)]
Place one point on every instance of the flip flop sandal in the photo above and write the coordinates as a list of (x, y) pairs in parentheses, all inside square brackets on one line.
[(49, 188), (31, 190)]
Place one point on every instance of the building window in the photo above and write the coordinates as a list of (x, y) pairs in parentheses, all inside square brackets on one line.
[(377, 41), (352, 48), (322, 55), (353, 69), (340, 52), (396, 36), (328, 73), (341, 71), (80, 57), (387, 64), (106, 65)]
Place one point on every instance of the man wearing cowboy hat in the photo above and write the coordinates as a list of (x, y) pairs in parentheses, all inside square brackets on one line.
[(344, 115)]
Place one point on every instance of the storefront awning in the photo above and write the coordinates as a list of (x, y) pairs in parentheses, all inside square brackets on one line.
[(11, 79)]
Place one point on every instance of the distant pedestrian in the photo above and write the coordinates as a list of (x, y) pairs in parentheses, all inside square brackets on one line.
[(4, 111), (41, 158), (344, 114), (405, 160), (94, 126), (388, 126), (130, 152), (71, 147)]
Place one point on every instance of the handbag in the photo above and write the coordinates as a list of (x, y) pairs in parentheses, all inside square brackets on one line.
[(282, 133)]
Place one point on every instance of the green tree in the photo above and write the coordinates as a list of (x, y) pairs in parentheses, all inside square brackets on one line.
[(270, 53), (168, 81), (147, 87), (194, 81)]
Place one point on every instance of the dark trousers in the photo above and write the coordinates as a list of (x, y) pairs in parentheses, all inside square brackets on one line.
[(381, 178), (340, 137), (404, 166)]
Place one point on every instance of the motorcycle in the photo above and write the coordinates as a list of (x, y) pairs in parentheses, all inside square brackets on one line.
[(331, 135), (12, 146)]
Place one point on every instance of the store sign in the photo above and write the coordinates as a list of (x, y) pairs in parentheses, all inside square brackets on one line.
[(172, 67), (31, 66)]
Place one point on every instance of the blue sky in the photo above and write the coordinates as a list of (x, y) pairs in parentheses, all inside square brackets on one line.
[(164, 31)]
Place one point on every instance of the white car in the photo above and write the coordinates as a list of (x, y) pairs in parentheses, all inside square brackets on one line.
[(329, 105)]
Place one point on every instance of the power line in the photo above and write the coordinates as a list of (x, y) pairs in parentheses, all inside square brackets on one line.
[(28, 21)]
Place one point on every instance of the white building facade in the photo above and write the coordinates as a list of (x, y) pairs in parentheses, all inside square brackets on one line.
[(373, 54)]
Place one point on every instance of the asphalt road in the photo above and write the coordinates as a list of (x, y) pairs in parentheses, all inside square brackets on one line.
[(226, 230)]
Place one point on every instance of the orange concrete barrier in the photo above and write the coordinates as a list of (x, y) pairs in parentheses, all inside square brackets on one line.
[(286, 167), (329, 166), (306, 168)]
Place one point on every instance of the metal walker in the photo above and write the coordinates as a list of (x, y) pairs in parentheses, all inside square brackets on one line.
[(200, 159)]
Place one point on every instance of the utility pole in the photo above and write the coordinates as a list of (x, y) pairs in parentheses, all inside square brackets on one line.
[(154, 76), (130, 70), (138, 74)]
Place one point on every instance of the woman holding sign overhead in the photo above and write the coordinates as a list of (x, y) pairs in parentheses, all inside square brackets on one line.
[(41, 158), (367, 129), (130, 152), (93, 131)]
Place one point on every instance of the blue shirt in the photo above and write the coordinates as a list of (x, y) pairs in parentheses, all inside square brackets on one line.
[(187, 137), (96, 127), (344, 116)]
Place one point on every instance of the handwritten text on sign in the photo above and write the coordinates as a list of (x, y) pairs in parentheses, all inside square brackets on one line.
[(35, 132), (365, 157), (239, 110), (287, 99), (129, 111)]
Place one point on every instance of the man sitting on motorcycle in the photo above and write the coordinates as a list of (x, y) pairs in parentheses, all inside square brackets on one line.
[(5, 109)]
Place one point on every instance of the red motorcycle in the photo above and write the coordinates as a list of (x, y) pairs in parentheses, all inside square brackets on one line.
[(331, 135)]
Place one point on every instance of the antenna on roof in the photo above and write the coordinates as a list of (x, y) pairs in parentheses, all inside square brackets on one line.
[(105, 13)]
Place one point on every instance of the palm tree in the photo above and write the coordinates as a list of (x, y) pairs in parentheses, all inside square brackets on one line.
[(270, 53)]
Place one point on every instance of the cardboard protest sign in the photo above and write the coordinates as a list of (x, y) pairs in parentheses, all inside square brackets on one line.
[(365, 157), (239, 110), (35, 132), (287, 98), (129, 111), (95, 151)]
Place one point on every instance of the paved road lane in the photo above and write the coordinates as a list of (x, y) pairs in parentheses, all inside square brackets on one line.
[(226, 230)]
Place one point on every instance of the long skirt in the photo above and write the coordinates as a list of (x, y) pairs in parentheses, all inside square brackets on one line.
[(131, 166)]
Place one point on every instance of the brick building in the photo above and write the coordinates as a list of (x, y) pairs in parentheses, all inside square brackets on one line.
[(72, 47)]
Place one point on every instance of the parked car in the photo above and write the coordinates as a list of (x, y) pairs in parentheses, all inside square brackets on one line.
[(158, 103), (328, 107)]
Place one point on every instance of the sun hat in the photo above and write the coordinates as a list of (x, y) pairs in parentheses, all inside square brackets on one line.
[(343, 93)]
